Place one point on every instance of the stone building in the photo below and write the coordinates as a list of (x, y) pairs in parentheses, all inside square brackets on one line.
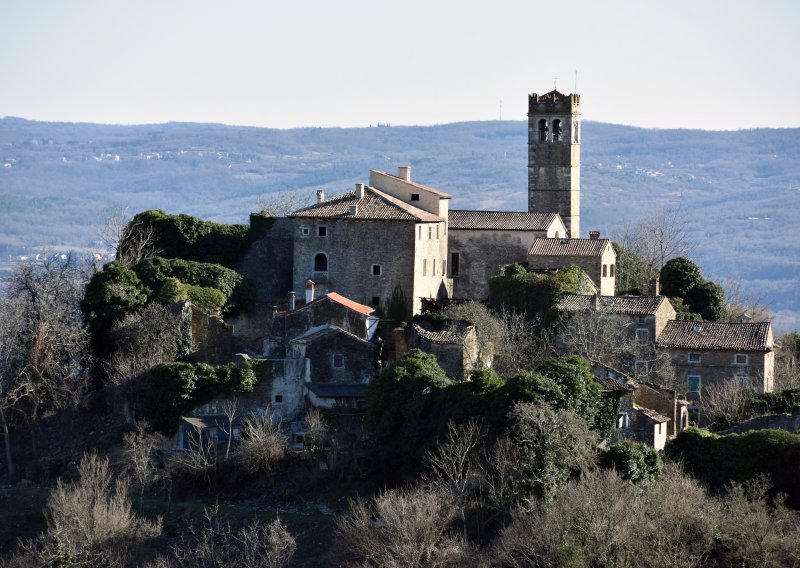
[(665, 402), (455, 347), (482, 241), (365, 243), (554, 157), (706, 353), (595, 256)]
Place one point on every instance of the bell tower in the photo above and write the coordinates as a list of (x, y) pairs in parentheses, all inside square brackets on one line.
[(554, 157)]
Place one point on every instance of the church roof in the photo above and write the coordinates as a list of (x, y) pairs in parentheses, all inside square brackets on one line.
[(374, 205), (721, 336), (568, 247), (629, 305), (500, 220)]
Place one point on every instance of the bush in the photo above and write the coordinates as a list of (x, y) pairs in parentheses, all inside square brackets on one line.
[(635, 461), (263, 443), (534, 294), (154, 272)]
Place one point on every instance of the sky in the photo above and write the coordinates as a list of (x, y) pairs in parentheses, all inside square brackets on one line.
[(710, 64)]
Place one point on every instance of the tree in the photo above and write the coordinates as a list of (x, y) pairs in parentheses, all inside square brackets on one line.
[(635, 461), (130, 240), (315, 429), (453, 465), (139, 447), (263, 443), (681, 278), (280, 203), (44, 342)]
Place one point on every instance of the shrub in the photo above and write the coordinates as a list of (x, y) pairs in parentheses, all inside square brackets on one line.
[(635, 461), (533, 294), (263, 443)]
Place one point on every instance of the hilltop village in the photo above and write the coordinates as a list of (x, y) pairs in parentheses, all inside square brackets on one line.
[(382, 379)]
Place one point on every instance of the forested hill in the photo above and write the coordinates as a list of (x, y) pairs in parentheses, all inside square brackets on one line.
[(740, 190)]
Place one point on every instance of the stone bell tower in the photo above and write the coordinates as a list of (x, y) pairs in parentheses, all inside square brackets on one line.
[(554, 157)]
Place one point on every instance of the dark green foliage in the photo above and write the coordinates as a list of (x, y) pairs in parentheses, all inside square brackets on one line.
[(153, 272), (110, 294), (636, 462), (190, 238), (682, 311), (718, 460), (682, 279), (174, 389), (397, 309), (531, 293), (210, 300)]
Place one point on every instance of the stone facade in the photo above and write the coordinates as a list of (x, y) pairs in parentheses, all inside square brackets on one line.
[(455, 347), (554, 164), (666, 403), (595, 256)]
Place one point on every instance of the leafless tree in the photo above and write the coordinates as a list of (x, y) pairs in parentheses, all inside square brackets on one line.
[(197, 462), (787, 362), (280, 203), (230, 409), (315, 428), (142, 340), (131, 241), (652, 240), (44, 341), (726, 403), (263, 443), (401, 528), (741, 302), (139, 447), (522, 344), (453, 464), (499, 464)]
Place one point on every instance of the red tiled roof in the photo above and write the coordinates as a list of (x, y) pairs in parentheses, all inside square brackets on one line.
[(500, 220), (568, 247), (704, 335), (375, 205), (361, 308), (629, 305)]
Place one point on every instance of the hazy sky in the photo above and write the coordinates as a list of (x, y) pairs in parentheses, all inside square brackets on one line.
[(721, 64)]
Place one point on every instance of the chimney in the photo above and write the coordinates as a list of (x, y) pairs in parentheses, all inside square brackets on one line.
[(291, 300), (404, 172), (320, 196), (354, 210), (359, 190), (655, 287), (594, 235), (309, 292)]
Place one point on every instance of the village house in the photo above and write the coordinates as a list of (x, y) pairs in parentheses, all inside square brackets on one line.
[(455, 347), (595, 256), (713, 353)]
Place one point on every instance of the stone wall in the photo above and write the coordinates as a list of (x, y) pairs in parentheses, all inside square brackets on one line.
[(268, 261), (324, 312), (716, 367), (665, 403), (212, 338), (358, 359), (592, 266)]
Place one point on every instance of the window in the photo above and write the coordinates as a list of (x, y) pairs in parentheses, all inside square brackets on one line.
[(694, 383), (430, 232), (424, 266), (321, 262), (278, 398), (556, 130), (622, 420), (377, 269), (419, 237), (437, 231), (454, 263), (543, 130), (611, 270), (433, 266), (305, 231), (444, 267), (643, 335), (322, 231), (338, 360), (605, 270), (694, 357), (740, 359), (415, 197), (642, 367), (376, 301)]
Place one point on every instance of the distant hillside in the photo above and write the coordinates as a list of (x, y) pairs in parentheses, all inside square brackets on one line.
[(740, 189)]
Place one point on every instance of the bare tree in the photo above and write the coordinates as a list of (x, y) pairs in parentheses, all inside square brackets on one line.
[(131, 241), (522, 344), (139, 448), (401, 528), (230, 409), (280, 203), (315, 428), (740, 302), (453, 464), (263, 443), (727, 403), (44, 341), (197, 462)]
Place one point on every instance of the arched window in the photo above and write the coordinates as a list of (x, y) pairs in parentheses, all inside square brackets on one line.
[(543, 130), (321, 262), (605, 270), (611, 270), (556, 130)]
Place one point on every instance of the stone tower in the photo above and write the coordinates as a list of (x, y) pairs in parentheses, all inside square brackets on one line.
[(554, 157)]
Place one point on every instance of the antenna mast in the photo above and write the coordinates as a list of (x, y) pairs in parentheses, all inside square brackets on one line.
[(576, 82)]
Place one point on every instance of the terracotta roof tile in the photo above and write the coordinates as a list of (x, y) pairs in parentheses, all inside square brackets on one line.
[(361, 308), (500, 220), (629, 305), (684, 334), (651, 414), (375, 205), (568, 247)]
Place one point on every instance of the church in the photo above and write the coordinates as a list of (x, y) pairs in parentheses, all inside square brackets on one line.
[(394, 235)]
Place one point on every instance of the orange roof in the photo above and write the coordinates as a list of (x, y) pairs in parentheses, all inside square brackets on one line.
[(360, 308)]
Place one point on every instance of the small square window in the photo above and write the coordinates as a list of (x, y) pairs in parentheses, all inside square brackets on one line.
[(338, 360), (376, 301), (322, 231), (415, 197), (377, 269), (305, 231), (740, 359), (278, 398), (694, 357)]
